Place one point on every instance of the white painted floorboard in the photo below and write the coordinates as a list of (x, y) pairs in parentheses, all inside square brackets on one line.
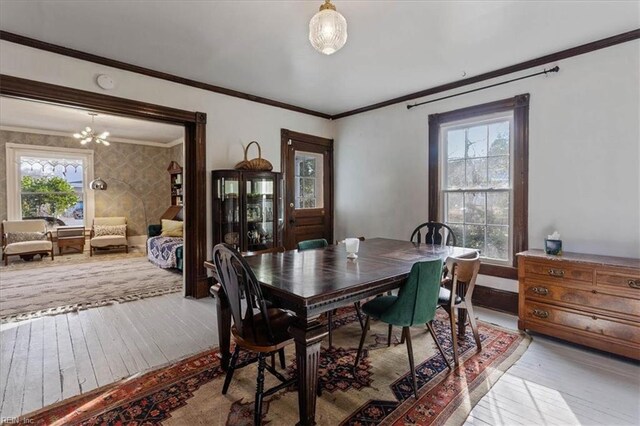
[(556, 383), (45, 360), (49, 359)]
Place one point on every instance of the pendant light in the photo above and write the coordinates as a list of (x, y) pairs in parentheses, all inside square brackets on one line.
[(89, 135), (328, 29)]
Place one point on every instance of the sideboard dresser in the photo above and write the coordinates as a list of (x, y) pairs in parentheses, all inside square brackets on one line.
[(586, 299)]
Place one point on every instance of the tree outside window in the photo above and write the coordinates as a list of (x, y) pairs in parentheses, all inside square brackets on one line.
[(52, 189)]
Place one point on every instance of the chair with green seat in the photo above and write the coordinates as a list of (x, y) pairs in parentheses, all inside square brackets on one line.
[(312, 244), (415, 304), (318, 244)]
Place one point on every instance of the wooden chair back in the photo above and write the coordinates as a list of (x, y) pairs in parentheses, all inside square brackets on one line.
[(238, 280), (465, 270), (435, 233)]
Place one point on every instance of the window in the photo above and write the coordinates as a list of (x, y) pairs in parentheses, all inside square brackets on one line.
[(475, 156), (309, 177), (49, 183)]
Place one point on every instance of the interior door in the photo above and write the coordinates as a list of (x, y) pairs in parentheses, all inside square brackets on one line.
[(307, 164)]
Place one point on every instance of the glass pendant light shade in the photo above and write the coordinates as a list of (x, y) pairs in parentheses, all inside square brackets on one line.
[(328, 29)]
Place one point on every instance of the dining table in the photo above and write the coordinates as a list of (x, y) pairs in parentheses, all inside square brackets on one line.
[(311, 282)]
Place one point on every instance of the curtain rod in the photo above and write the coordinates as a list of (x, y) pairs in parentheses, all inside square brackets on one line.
[(546, 71)]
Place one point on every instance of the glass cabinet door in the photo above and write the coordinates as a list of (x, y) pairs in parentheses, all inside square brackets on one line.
[(228, 212), (260, 211)]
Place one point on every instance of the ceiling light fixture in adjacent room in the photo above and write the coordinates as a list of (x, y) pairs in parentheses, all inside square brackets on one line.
[(328, 29), (89, 134)]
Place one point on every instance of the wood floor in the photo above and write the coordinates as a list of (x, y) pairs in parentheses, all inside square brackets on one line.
[(52, 358), (555, 383)]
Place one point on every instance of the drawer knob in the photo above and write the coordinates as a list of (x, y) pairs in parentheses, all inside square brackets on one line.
[(540, 313), (634, 283), (556, 273), (542, 291)]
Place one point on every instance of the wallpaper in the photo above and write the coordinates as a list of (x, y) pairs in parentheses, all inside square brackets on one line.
[(142, 167)]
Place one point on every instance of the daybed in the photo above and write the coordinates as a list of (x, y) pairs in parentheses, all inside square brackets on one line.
[(165, 244)]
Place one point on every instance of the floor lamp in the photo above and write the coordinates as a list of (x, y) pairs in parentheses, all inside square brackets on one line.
[(99, 184)]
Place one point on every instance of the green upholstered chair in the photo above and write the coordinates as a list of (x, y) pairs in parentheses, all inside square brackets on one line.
[(322, 243), (415, 304), (312, 244)]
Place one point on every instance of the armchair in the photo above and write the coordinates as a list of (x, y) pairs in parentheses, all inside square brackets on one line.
[(25, 238), (108, 232)]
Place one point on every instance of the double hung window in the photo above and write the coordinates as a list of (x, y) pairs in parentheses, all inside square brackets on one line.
[(478, 178)]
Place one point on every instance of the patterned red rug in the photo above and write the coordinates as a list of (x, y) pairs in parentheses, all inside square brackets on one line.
[(188, 392)]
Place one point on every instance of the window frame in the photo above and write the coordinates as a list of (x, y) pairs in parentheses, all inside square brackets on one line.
[(519, 105), (15, 151)]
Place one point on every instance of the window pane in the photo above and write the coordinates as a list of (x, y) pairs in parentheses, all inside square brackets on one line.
[(474, 237), (455, 174), (497, 242), (52, 188), (499, 138), (477, 173), (499, 171), (309, 180), (454, 207), (498, 208), (474, 207), (477, 141), (458, 231), (455, 144)]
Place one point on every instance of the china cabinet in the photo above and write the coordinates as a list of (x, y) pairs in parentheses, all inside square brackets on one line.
[(247, 209)]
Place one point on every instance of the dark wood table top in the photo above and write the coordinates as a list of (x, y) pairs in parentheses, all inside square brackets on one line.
[(312, 278)]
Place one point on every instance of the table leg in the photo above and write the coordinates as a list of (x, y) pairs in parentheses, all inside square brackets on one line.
[(223, 311), (307, 336)]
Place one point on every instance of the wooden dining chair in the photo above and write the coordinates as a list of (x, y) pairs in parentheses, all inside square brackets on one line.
[(415, 304), (464, 271), (434, 233), (258, 329), (322, 243)]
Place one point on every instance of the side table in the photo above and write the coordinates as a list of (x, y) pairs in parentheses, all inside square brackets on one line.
[(72, 237)]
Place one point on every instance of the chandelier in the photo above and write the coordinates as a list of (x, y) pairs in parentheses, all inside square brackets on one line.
[(328, 29), (89, 135)]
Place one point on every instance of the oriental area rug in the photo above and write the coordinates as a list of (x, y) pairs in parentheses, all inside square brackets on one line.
[(64, 287), (379, 393)]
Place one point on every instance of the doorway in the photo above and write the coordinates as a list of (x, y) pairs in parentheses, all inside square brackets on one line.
[(194, 124), (307, 165)]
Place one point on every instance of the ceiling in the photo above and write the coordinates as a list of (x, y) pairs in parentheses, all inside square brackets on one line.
[(42, 117), (261, 47)]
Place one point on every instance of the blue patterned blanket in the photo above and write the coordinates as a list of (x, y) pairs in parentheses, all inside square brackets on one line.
[(161, 251)]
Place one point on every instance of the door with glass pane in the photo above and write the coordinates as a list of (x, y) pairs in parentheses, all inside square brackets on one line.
[(307, 163)]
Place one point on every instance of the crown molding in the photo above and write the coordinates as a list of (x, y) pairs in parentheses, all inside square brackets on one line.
[(54, 48), (542, 60), (68, 135)]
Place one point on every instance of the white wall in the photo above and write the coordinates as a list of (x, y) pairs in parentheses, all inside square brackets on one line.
[(231, 122), (584, 177)]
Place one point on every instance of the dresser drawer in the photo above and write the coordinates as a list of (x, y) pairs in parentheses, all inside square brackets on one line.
[(559, 271), (593, 299), (627, 279), (598, 326)]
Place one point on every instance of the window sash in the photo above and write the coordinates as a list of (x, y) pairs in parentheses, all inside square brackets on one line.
[(519, 146), (14, 153)]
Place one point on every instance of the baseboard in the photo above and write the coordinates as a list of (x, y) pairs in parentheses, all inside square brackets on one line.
[(498, 300)]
